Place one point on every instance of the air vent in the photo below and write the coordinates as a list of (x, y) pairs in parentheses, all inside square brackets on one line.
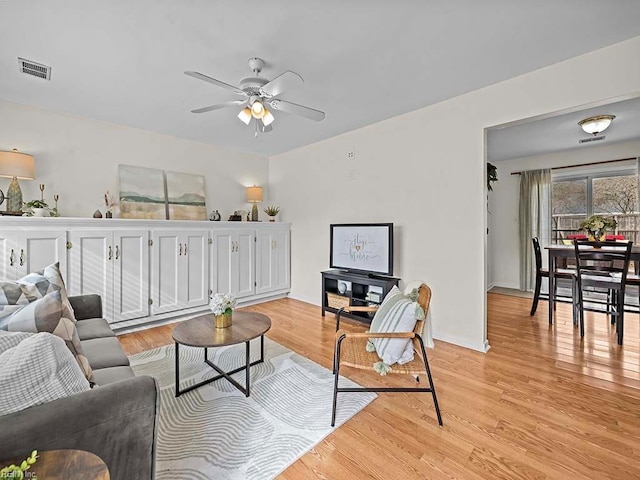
[(591, 139), (34, 69)]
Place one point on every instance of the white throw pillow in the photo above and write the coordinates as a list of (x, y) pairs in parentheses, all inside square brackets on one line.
[(11, 339), (38, 370), (397, 313)]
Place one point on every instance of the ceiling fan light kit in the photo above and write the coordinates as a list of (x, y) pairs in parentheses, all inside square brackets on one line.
[(597, 124), (259, 92)]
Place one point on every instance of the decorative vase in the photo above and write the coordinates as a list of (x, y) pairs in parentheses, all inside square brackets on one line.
[(108, 214), (272, 218), (223, 321), (39, 212)]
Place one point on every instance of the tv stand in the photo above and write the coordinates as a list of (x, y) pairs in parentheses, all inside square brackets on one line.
[(361, 288)]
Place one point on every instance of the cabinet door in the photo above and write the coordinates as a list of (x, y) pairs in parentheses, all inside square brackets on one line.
[(281, 267), (244, 268), (166, 254), (222, 256), (265, 245), (195, 268), (35, 249), (131, 274), (91, 266), (7, 256)]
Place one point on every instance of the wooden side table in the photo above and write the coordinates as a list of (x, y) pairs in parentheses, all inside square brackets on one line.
[(64, 465)]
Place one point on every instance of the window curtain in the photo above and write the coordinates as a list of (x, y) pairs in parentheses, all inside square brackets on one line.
[(535, 220)]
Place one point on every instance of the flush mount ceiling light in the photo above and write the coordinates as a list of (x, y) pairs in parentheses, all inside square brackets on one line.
[(597, 124)]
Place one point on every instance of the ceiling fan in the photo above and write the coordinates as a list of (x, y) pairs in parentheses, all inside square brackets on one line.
[(260, 93)]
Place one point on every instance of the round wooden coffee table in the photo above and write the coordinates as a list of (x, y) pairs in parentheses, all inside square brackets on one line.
[(64, 464), (201, 332)]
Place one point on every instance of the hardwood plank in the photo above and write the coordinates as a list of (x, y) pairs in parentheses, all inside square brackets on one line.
[(541, 404)]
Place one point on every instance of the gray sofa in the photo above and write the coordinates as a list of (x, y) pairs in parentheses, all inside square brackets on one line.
[(116, 420)]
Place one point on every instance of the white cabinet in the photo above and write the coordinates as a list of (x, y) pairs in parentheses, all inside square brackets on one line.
[(114, 265), (26, 251), (179, 270), (272, 260), (233, 262), (151, 270)]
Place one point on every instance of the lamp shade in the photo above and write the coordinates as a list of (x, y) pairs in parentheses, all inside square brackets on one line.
[(16, 164), (254, 194)]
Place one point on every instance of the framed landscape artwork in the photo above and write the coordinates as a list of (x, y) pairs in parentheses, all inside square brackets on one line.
[(142, 192), (186, 196)]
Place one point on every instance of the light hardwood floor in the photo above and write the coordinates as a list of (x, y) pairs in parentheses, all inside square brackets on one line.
[(540, 404)]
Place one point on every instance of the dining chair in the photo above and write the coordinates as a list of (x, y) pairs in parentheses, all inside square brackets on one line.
[(351, 351), (564, 273), (603, 266)]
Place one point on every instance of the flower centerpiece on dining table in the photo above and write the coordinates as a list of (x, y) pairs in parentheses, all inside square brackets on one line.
[(222, 305), (597, 226)]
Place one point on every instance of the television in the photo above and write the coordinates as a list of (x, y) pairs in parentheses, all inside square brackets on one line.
[(362, 248)]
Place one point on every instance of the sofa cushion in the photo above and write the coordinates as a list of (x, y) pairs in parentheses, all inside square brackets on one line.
[(94, 328), (104, 353), (104, 376), (38, 370), (38, 284), (50, 314)]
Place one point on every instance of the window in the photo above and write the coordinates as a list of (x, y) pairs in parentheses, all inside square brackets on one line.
[(574, 198)]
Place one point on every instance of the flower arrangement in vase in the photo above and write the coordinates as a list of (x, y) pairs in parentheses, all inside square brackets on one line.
[(597, 226), (222, 307)]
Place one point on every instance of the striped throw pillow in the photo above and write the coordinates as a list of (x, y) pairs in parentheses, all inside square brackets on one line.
[(397, 313)]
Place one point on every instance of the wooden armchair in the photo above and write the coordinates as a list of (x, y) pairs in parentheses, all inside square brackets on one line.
[(350, 350)]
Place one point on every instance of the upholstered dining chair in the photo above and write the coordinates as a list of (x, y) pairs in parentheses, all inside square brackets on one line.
[(604, 266), (350, 350), (563, 273)]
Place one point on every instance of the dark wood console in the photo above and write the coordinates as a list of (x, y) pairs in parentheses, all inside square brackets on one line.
[(357, 289)]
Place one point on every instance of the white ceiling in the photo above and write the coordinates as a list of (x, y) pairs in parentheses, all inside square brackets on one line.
[(562, 132), (362, 61)]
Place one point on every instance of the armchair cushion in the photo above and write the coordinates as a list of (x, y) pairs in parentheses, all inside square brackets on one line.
[(397, 313)]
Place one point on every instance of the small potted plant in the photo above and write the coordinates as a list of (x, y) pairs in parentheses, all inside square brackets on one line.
[(272, 212), (18, 471), (222, 307), (36, 208), (597, 226)]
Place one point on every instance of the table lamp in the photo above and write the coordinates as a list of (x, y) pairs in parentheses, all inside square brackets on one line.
[(16, 166), (254, 195)]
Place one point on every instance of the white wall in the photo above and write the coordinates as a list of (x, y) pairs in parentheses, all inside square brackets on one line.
[(504, 247), (78, 159), (425, 171)]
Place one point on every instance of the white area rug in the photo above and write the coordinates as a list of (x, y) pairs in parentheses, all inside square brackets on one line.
[(215, 432)]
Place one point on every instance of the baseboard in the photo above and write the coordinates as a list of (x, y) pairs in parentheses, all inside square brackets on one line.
[(490, 286), (463, 342), (174, 317), (506, 285)]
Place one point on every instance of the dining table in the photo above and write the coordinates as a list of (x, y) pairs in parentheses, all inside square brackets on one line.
[(568, 251)]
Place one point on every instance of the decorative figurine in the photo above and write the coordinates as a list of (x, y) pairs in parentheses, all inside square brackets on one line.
[(215, 216)]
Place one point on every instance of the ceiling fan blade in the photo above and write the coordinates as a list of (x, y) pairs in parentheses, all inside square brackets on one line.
[(264, 128), (204, 78), (281, 83), (302, 111), (232, 103)]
